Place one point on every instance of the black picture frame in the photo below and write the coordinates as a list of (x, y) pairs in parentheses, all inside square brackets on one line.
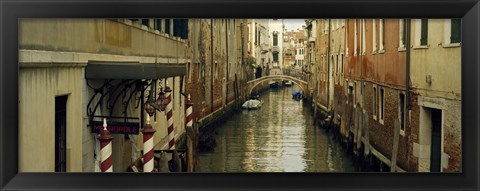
[(11, 11)]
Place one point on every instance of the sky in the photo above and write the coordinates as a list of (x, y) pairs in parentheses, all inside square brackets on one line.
[(293, 24)]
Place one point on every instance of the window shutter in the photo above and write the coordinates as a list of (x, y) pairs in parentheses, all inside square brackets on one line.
[(456, 31), (158, 24), (167, 26), (424, 32)]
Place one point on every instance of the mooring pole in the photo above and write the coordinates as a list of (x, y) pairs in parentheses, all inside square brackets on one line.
[(148, 132), (105, 149)]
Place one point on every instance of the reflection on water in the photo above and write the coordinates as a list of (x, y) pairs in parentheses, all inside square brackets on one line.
[(279, 137)]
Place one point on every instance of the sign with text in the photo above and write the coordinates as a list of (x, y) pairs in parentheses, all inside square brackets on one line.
[(116, 127)]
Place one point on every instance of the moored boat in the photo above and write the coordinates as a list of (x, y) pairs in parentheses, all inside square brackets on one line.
[(297, 94), (274, 84), (252, 104), (288, 83)]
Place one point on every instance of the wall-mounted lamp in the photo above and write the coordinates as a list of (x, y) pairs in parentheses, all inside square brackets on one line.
[(159, 104), (149, 107), (162, 100), (428, 79)]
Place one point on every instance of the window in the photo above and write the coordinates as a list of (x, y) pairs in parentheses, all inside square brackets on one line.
[(355, 38), (424, 32), (354, 94), (275, 57), (402, 112), (180, 28), (259, 38), (341, 69), (248, 35), (216, 70), (325, 28), (347, 39), (382, 35), (61, 133), (381, 110), (145, 22), (275, 40), (167, 26), (364, 44), (374, 102), (336, 66), (456, 31), (256, 35), (158, 24), (189, 72), (402, 34), (374, 31), (333, 61), (363, 90)]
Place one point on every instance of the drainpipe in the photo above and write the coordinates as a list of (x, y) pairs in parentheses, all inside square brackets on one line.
[(407, 46), (226, 45), (361, 63), (328, 65), (211, 65)]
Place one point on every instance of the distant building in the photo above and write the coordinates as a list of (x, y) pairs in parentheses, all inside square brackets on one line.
[(259, 41), (276, 42)]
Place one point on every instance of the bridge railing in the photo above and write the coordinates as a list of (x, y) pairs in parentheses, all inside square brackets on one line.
[(288, 72)]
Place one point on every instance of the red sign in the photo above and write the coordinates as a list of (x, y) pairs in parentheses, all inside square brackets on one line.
[(116, 127)]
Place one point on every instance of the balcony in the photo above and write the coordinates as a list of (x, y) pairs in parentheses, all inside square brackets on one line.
[(264, 47), (275, 49)]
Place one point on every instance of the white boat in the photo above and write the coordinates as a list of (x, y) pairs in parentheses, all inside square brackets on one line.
[(252, 104)]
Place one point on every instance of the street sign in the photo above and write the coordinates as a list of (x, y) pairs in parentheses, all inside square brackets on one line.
[(116, 127)]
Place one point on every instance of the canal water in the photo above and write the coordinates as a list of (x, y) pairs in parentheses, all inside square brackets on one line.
[(279, 137)]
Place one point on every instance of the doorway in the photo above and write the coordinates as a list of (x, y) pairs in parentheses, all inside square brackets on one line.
[(436, 145), (61, 133)]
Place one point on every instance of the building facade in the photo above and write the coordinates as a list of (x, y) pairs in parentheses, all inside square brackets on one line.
[(435, 75), (71, 70), (276, 44), (259, 41), (377, 76)]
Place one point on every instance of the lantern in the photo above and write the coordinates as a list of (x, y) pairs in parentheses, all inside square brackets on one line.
[(148, 105), (162, 100)]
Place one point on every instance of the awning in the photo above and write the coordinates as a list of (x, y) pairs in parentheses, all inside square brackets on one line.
[(132, 70)]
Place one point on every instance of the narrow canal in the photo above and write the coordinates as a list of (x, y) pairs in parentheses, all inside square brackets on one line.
[(279, 137)]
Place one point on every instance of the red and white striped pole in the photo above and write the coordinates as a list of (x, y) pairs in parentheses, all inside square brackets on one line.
[(191, 136), (189, 110), (170, 130), (105, 149), (148, 132)]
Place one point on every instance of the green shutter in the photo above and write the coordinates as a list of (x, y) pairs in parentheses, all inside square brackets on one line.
[(456, 27), (158, 25), (424, 32)]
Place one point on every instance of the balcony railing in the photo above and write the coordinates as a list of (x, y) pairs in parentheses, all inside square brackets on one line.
[(264, 47), (275, 49)]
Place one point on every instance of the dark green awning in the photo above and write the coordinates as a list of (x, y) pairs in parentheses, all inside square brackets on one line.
[(132, 70)]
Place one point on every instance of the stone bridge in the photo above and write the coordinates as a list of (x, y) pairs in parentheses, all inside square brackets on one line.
[(253, 83)]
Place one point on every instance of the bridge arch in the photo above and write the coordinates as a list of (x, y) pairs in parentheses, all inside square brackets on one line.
[(254, 83)]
